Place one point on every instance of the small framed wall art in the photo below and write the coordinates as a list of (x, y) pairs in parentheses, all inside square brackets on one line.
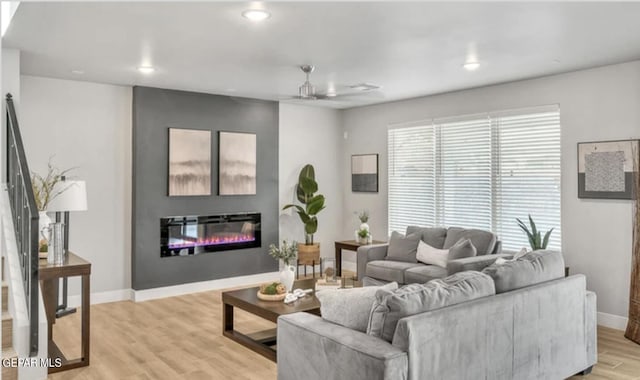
[(189, 162), (237, 163), (606, 169), (364, 173)]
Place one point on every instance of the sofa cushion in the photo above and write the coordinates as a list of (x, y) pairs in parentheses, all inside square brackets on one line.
[(462, 249), (533, 268), (391, 306), (484, 241), (350, 307), (423, 273), (388, 270), (402, 248), (434, 236), (432, 256)]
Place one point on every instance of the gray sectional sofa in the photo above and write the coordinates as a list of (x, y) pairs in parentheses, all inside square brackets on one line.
[(374, 266), (520, 320)]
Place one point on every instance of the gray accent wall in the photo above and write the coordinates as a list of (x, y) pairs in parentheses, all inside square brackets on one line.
[(154, 111)]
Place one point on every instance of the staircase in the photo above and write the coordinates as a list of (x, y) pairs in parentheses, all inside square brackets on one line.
[(8, 353)]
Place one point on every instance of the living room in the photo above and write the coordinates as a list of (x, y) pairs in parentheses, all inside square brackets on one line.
[(97, 87)]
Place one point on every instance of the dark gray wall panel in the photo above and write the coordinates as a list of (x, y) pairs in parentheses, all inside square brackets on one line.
[(154, 111)]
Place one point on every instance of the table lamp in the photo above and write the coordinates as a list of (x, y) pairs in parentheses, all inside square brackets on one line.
[(71, 196)]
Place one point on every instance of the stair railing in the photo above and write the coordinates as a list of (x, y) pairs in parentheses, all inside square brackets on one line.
[(25, 219)]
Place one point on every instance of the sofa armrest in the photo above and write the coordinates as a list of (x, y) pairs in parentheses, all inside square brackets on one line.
[(476, 263), (368, 253), (311, 348)]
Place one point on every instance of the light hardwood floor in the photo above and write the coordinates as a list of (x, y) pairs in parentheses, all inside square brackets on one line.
[(180, 338)]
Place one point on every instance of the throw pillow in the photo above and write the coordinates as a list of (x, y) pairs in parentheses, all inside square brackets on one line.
[(462, 249), (391, 306), (427, 254), (402, 248), (533, 268), (350, 307)]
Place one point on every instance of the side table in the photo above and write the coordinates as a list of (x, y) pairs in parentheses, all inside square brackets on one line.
[(49, 277), (349, 245)]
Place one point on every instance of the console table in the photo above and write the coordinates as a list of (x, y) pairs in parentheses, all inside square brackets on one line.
[(349, 245), (49, 277)]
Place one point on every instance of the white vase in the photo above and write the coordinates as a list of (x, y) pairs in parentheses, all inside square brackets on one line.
[(42, 224), (287, 275)]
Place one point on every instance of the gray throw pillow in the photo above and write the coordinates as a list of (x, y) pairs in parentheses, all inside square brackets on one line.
[(350, 307), (533, 268), (434, 236), (462, 249), (403, 248), (391, 306)]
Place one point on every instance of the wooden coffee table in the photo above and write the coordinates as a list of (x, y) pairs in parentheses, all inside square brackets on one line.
[(263, 342)]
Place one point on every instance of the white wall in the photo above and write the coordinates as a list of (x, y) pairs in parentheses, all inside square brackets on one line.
[(311, 135), (595, 104), (88, 126)]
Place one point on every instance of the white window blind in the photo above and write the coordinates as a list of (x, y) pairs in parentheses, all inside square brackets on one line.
[(480, 171), (464, 175), (528, 178), (411, 177)]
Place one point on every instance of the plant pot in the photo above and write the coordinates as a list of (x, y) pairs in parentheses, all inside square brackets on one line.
[(287, 275), (43, 235), (363, 240), (309, 254)]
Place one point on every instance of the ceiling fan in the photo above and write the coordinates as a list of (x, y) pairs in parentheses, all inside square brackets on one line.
[(307, 91)]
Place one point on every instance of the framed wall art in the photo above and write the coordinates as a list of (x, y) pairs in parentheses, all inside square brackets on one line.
[(237, 163), (606, 169), (364, 173), (189, 162)]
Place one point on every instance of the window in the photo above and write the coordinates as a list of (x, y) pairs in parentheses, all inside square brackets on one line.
[(480, 171)]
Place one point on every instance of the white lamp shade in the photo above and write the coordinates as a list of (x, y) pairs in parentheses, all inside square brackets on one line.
[(71, 196)]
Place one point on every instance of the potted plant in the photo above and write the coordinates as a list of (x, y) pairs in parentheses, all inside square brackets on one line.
[(311, 205), (363, 235), (536, 241), (287, 253)]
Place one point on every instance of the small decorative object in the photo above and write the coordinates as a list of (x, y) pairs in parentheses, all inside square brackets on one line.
[(306, 189), (45, 190), (322, 284), (363, 236), (237, 163), (329, 271), (287, 253), (633, 325), (364, 173), (535, 238), (605, 169), (189, 162), (274, 291)]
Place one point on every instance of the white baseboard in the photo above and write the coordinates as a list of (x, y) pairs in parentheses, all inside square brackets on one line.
[(103, 297), (172, 291), (203, 286), (612, 321)]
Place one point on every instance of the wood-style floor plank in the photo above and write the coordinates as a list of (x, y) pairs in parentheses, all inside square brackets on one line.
[(181, 338)]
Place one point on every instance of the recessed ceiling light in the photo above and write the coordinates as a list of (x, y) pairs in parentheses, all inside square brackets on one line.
[(77, 72), (146, 69), (471, 66), (256, 15)]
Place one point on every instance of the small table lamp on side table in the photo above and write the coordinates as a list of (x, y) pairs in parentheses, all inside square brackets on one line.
[(72, 196)]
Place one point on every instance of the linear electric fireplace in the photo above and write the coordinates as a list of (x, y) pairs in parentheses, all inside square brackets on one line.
[(192, 235)]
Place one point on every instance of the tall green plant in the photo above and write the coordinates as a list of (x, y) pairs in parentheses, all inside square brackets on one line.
[(536, 241), (313, 203)]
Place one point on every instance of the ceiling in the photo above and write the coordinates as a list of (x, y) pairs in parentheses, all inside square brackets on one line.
[(409, 48)]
